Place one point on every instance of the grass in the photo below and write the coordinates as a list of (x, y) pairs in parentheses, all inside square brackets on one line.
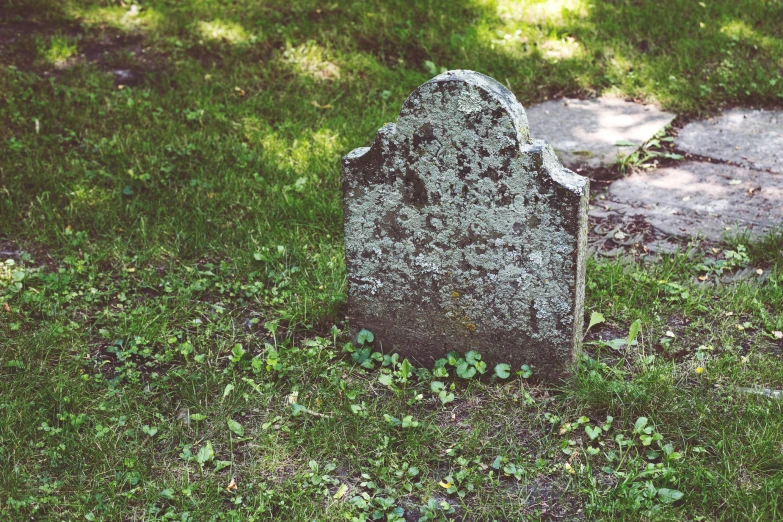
[(172, 260)]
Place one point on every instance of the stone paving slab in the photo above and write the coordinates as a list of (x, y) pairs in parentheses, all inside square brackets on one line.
[(752, 138), (586, 133), (699, 198)]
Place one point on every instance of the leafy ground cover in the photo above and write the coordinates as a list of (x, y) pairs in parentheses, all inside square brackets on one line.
[(171, 274)]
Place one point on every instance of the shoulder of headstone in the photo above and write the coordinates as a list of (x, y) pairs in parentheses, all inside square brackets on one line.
[(566, 178), (361, 154)]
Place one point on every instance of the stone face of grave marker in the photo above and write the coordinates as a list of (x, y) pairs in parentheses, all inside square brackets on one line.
[(462, 233)]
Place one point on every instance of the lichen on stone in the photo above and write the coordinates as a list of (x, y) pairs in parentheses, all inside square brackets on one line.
[(453, 213)]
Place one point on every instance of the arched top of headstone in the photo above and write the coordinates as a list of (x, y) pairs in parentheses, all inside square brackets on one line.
[(473, 97), (460, 121)]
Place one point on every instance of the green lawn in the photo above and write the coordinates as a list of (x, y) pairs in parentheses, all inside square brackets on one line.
[(171, 273)]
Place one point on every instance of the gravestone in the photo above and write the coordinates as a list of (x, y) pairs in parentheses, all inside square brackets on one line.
[(462, 233)]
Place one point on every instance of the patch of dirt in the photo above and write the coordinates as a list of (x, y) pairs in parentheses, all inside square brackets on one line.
[(457, 413), (551, 499), (9, 249), (13, 32), (600, 177), (124, 56), (33, 255), (604, 332), (616, 235), (113, 51), (210, 55), (413, 512)]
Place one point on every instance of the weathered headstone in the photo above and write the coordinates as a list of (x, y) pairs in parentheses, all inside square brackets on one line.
[(462, 233)]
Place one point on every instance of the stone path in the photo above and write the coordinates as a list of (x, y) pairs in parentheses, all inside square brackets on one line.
[(595, 133), (698, 198), (736, 186), (733, 184), (753, 139)]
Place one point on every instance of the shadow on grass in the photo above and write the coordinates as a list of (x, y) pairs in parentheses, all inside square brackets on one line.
[(687, 56)]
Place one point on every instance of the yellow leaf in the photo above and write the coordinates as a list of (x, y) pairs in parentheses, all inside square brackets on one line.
[(342, 490), (445, 485), (231, 485)]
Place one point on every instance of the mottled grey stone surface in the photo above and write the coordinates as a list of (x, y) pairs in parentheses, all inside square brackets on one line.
[(699, 198), (462, 233), (586, 133), (743, 136)]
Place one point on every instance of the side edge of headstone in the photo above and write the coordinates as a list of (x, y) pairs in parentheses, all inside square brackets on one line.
[(575, 194)]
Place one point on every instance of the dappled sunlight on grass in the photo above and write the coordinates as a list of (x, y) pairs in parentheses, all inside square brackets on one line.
[(306, 154), (59, 51), (225, 31), (560, 49), (551, 12), (739, 31), (127, 19), (88, 199), (310, 59), (531, 31)]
